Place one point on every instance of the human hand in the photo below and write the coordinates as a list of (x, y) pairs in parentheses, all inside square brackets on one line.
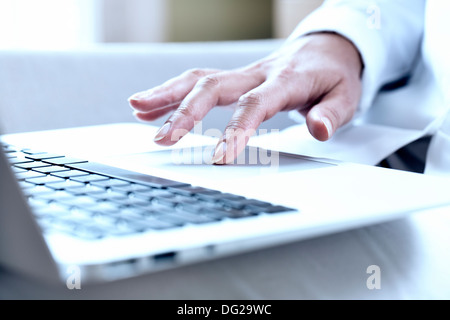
[(318, 75)]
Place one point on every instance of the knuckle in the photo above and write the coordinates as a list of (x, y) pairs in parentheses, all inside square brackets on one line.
[(238, 124), (251, 100), (262, 66), (286, 74), (185, 111), (196, 73), (209, 82), (239, 129), (335, 116)]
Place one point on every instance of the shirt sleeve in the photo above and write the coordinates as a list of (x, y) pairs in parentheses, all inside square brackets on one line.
[(387, 33)]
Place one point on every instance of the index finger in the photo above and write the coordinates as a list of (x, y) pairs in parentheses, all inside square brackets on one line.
[(221, 88), (170, 93)]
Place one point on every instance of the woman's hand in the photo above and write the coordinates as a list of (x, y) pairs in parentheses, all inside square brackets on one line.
[(318, 75)]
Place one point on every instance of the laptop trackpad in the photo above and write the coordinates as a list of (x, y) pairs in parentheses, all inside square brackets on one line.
[(196, 161)]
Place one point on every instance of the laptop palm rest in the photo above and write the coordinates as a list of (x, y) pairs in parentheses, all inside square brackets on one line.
[(197, 162)]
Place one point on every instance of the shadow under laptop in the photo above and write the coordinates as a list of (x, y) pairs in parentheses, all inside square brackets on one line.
[(329, 267)]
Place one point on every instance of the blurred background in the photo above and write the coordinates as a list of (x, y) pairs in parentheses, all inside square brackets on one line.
[(42, 24)]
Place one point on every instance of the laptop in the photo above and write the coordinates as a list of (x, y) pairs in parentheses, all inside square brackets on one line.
[(113, 208)]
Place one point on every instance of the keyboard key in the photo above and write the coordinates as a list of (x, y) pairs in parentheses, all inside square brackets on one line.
[(172, 219), (8, 148), (109, 195), (37, 190), (31, 151), (110, 223), (185, 217), (213, 197), (132, 202), (18, 170), (37, 203), (105, 207), (131, 176), (89, 178), (133, 213), (50, 224), (85, 189), (52, 210), (26, 185), (20, 160), (129, 225), (242, 203), (170, 202), (54, 196), (104, 219), (45, 180), (32, 165), (191, 191), (80, 201), (110, 183), (43, 156), (145, 224), (11, 155), (28, 175), (255, 204), (157, 224), (89, 232), (153, 193), (133, 187), (70, 174), (66, 185), (79, 215), (64, 161), (178, 201), (77, 229), (51, 169), (277, 209)]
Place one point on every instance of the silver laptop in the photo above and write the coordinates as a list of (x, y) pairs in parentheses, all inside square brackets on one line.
[(139, 211)]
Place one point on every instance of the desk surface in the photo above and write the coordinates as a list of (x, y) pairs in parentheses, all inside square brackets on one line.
[(412, 253)]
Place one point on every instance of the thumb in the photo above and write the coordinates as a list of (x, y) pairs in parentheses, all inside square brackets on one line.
[(332, 112)]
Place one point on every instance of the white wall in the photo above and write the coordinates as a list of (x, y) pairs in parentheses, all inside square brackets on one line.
[(134, 20), (42, 24), (70, 23)]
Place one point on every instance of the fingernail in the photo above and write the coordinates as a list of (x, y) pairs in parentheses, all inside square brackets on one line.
[(135, 114), (162, 132), (139, 96), (134, 97), (328, 125), (219, 152)]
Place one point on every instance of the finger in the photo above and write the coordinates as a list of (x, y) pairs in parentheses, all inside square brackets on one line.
[(221, 88), (155, 114), (333, 111), (254, 107), (169, 93)]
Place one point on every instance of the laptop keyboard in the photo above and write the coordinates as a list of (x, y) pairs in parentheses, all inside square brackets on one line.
[(93, 201)]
